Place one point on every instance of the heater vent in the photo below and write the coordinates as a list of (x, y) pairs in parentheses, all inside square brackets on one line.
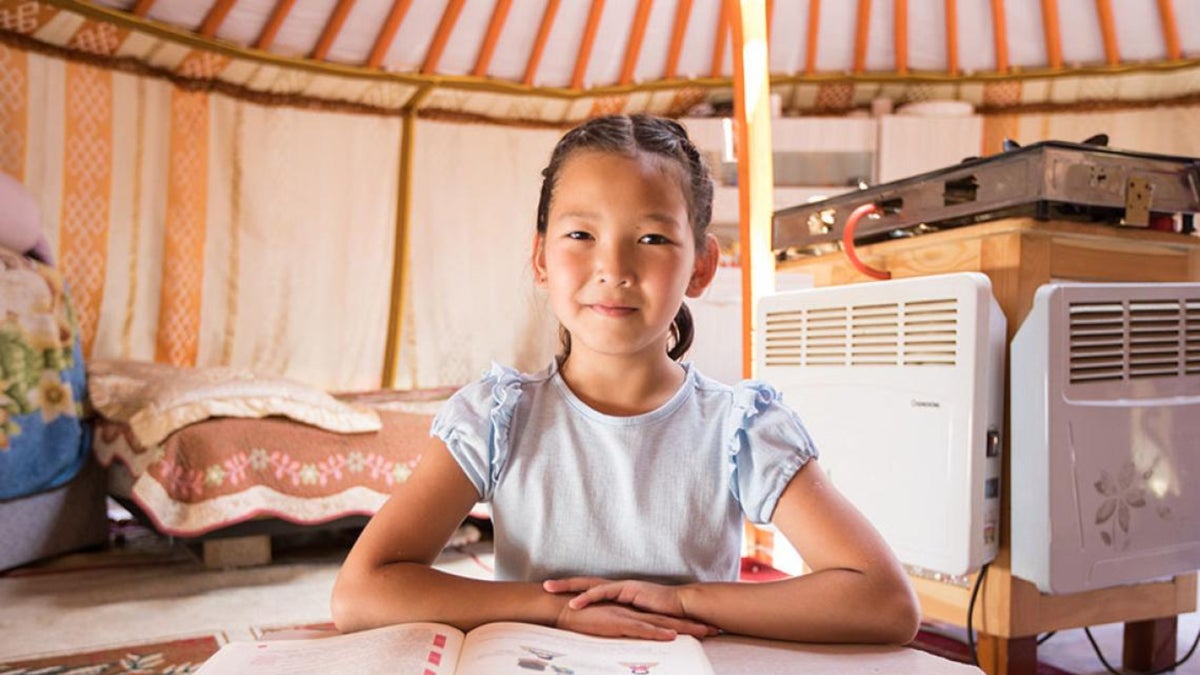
[(874, 335), (1191, 348), (919, 333), (931, 332), (1134, 339)]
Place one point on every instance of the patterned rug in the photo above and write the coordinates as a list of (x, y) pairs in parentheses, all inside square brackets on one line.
[(170, 657), (953, 649)]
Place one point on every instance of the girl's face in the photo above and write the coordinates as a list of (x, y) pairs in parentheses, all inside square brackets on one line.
[(618, 255)]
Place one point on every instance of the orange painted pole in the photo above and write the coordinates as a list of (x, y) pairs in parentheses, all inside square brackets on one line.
[(752, 122)]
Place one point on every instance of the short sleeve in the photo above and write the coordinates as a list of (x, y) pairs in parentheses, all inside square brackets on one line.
[(474, 424), (769, 444)]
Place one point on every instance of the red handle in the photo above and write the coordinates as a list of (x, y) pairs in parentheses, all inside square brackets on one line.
[(848, 243)]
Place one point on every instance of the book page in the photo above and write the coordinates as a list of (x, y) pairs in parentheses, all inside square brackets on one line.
[(528, 649), (417, 648)]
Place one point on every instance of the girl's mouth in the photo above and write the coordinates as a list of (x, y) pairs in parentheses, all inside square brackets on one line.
[(613, 310)]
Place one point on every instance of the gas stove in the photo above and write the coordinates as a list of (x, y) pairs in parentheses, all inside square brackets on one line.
[(1052, 180)]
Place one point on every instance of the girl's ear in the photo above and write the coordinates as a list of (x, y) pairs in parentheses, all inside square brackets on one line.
[(538, 260), (706, 267)]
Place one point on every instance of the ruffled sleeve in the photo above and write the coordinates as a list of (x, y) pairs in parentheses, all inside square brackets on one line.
[(474, 424), (768, 445)]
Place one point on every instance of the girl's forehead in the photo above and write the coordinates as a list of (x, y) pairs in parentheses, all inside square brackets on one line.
[(591, 165)]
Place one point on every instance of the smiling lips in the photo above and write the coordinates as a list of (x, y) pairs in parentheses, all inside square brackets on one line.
[(615, 311)]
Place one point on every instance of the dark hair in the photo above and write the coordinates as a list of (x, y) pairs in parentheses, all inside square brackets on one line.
[(629, 135)]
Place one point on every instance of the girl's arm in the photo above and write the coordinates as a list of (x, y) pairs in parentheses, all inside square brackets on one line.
[(388, 576), (856, 591)]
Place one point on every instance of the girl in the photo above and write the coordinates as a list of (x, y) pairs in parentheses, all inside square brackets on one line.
[(619, 476)]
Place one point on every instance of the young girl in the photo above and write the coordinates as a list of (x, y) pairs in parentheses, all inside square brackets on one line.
[(619, 476)]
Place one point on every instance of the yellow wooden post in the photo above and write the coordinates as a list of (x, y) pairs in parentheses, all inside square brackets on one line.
[(391, 349), (756, 181)]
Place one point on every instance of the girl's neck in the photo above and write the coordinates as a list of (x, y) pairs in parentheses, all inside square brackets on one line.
[(622, 386)]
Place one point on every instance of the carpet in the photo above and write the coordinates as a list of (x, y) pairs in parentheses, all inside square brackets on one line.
[(169, 657), (947, 647)]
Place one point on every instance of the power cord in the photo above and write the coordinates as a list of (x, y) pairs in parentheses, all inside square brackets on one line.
[(1169, 668), (975, 654), (971, 613)]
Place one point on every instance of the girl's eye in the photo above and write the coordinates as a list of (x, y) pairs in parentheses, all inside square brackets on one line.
[(657, 239), (579, 235)]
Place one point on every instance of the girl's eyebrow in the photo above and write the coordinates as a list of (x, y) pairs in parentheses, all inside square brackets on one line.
[(662, 219)]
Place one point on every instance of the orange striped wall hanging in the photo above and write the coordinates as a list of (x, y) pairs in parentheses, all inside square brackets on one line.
[(178, 335), (86, 190)]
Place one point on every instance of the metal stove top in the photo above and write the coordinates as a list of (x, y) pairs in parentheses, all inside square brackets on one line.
[(1049, 180)]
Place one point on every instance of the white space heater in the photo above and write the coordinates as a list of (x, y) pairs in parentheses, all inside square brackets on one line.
[(1105, 453), (901, 385)]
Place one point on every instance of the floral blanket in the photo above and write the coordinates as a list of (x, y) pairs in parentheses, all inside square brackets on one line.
[(223, 471), (43, 441)]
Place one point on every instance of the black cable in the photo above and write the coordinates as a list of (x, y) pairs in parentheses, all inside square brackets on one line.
[(1169, 668), (971, 612), (1047, 636)]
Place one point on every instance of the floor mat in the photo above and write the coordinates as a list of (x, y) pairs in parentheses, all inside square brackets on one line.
[(928, 640), (169, 657)]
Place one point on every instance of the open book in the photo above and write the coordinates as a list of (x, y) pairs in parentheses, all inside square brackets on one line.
[(438, 649)]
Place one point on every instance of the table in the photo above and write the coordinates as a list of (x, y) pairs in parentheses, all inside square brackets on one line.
[(737, 655)]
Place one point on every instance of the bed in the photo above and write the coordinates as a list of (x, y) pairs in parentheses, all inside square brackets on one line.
[(228, 457)]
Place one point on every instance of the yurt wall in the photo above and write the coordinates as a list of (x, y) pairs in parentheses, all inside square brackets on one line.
[(196, 228), (200, 226)]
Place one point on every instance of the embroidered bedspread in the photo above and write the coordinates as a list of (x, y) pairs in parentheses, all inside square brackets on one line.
[(43, 442), (223, 471)]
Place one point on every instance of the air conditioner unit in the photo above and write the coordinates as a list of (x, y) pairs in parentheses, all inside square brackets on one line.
[(1106, 435), (901, 384)]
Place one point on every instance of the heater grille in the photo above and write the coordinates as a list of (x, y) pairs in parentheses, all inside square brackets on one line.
[(1134, 339), (917, 333)]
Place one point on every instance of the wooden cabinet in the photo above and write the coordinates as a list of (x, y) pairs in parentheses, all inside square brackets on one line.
[(1019, 255)]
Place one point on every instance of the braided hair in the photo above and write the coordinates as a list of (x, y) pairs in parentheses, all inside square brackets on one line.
[(629, 135)]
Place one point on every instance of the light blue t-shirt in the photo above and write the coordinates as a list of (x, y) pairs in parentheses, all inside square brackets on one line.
[(657, 496)]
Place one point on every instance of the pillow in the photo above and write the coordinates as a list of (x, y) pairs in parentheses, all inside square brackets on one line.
[(156, 399)]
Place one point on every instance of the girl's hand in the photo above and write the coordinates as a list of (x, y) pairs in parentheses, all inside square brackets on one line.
[(612, 620), (643, 595), (663, 602)]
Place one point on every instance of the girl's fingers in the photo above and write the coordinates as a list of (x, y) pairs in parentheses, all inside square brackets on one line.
[(595, 594)]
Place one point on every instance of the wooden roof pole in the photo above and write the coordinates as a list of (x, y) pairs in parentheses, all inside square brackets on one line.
[(634, 48), (586, 44), (336, 20), (814, 31), (388, 33), (495, 26), (1170, 29), (1112, 55), (1053, 33), (445, 27), (539, 45), (142, 8), (215, 17), (267, 36), (1000, 35), (683, 12), (752, 123), (901, 41), (952, 37), (862, 33), (718, 58)]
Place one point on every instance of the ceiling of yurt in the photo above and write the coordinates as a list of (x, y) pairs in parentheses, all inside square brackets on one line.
[(556, 61)]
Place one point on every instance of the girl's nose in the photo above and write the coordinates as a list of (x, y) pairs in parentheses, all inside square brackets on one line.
[(613, 267)]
